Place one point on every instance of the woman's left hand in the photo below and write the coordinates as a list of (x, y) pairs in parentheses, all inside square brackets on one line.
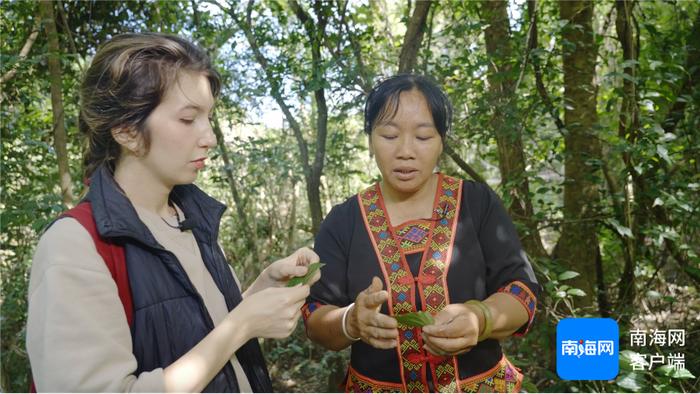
[(455, 331), (281, 271)]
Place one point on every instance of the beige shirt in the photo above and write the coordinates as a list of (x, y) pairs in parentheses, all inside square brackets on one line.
[(78, 338)]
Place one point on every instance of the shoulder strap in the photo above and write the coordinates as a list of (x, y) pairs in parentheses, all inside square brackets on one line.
[(112, 254)]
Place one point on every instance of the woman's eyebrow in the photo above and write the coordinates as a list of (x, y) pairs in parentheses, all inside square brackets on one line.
[(196, 107), (387, 122), (425, 124), (191, 106)]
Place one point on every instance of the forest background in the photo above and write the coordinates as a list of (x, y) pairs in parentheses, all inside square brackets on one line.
[(583, 116)]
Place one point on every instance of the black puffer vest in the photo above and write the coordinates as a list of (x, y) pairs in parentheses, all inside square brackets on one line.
[(169, 315)]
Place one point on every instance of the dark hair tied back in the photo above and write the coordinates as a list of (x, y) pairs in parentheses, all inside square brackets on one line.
[(383, 101)]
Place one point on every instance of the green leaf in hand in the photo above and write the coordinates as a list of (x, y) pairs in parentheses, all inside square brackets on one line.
[(415, 319), (313, 267)]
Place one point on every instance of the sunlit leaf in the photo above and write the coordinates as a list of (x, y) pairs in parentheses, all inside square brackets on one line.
[(576, 292), (672, 372), (663, 152), (622, 230), (568, 275), (631, 381)]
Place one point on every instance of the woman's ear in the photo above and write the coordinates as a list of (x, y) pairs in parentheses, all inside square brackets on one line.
[(129, 139), (369, 143)]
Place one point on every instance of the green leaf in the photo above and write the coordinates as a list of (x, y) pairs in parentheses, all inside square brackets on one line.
[(576, 292), (313, 267), (668, 137), (670, 371), (663, 152), (631, 381), (568, 275), (665, 388), (415, 319), (629, 62), (622, 230)]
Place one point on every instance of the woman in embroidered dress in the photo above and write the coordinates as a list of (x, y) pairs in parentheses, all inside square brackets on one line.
[(130, 291), (420, 241)]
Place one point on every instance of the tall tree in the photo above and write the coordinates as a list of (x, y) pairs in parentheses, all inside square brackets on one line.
[(315, 31), (505, 121), (240, 208), (577, 247), (628, 130), (414, 36), (59, 127)]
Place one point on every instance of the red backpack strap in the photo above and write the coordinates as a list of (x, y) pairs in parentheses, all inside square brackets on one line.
[(112, 254)]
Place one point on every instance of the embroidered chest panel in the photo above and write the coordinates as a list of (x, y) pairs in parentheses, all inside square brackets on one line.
[(430, 285), (413, 236)]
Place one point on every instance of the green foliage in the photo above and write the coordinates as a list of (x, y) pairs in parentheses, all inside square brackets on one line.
[(664, 379), (298, 365)]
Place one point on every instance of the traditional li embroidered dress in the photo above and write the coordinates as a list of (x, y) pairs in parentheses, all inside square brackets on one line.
[(469, 249)]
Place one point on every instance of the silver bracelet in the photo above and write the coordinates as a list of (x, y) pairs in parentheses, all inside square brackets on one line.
[(345, 330)]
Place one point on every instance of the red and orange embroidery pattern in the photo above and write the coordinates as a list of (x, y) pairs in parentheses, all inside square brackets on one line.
[(308, 309), (358, 383), (502, 378), (430, 282), (413, 236), (523, 294)]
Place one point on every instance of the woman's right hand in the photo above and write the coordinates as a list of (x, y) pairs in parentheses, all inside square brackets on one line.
[(365, 321), (272, 312)]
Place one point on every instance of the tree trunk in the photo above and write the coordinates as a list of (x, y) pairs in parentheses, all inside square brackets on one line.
[(578, 243), (463, 164), (240, 208), (292, 221), (59, 128), (505, 122), (414, 36), (628, 129), (315, 32)]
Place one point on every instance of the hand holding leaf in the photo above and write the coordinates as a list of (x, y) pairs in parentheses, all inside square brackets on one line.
[(312, 268), (415, 319)]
